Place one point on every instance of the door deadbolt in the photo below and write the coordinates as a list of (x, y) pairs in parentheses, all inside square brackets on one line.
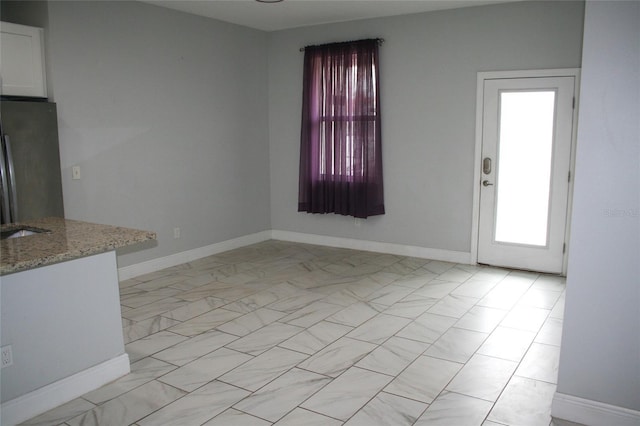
[(486, 183)]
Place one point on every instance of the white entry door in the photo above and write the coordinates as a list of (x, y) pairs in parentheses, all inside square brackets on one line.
[(527, 126)]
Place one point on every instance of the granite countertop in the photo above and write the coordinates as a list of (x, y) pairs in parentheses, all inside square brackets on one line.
[(68, 240)]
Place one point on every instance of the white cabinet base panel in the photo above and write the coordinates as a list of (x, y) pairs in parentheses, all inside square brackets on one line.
[(39, 401), (64, 325)]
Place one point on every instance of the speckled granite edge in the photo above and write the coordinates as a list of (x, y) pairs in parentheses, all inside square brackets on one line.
[(68, 240)]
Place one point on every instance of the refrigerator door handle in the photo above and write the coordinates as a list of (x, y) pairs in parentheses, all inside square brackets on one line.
[(5, 188), (12, 180)]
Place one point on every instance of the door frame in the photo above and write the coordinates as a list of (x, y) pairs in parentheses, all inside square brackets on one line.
[(482, 76)]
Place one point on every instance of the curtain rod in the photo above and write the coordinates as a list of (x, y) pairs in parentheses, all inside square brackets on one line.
[(379, 40)]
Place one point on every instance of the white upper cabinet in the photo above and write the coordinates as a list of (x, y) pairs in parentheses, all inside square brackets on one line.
[(22, 66)]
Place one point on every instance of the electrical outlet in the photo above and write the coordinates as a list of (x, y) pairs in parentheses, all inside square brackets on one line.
[(176, 233), (7, 356)]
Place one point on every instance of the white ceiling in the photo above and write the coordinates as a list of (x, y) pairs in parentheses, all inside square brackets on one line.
[(300, 13)]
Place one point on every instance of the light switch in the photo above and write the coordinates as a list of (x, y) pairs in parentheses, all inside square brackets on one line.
[(75, 172)]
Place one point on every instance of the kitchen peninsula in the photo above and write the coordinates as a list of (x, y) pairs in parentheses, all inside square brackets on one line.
[(60, 312)]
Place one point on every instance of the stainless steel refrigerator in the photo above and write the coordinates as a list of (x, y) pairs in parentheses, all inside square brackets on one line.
[(30, 163)]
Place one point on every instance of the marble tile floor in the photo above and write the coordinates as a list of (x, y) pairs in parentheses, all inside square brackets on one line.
[(281, 333)]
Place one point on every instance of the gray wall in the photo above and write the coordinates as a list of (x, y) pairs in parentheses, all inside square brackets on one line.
[(600, 356), (428, 76), (166, 114), (177, 120)]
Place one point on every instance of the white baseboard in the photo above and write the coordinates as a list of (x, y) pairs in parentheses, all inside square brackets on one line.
[(374, 246), (160, 263), (592, 413), (47, 397)]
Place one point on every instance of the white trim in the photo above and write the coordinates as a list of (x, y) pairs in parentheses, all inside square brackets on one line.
[(489, 75), (50, 396), (592, 413), (374, 246), (160, 263), (541, 73)]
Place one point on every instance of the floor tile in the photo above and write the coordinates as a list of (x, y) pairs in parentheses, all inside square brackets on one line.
[(540, 363), (142, 297), (162, 281), (356, 314), (537, 297), (503, 296), (205, 369), (379, 328), (259, 371), (558, 309), (414, 281), (232, 417), (387, 409), (302, 417), (424, 379), (427, 328), (151, 344), (197, 407), (201, 292), (204, 322), (474, 287), (389, 295), (480, 318), (262, 298), (316, 337), (311, 314), (455, 274), (524, 402), (62, 413), (143, 371), (453, 306), (296, 301), (344, 396), (195, 347), (130, 407), (550, 282), (251, 322), (437, 289), (393, 356), (457, 345), (491, 274), (194, 309), (265, 338), (507, 343), (438, 267), (483, 377), (154, 309), (337, 357), (455, 409), (275, 400), (412, 306), (551, 332), (138, 330), (525, 318)]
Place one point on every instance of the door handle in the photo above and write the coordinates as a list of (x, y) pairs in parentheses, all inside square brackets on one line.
[(486, 183), (486, 166)]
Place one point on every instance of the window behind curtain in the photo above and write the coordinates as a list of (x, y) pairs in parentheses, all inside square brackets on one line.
[(340, 146)]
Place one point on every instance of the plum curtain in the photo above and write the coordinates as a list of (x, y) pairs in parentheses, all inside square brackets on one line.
[(340, 144)]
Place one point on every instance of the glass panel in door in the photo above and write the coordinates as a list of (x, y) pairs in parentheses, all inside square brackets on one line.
[(525, 153)]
